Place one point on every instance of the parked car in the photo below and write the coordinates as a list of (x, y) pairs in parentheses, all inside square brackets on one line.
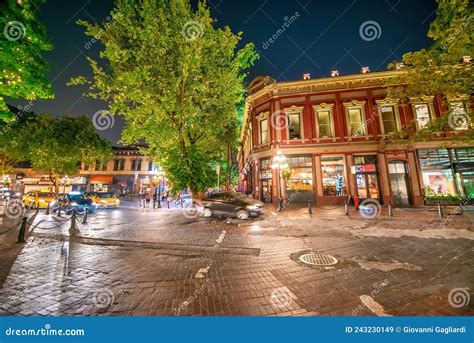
[(68, 201), (103, 199), (38, 199), (231, 203), (7, 194)]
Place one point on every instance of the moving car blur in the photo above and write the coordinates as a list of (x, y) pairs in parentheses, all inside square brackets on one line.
[(68, 201), (103, 199), (231, 203)]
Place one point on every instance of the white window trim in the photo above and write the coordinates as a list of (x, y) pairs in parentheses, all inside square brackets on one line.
[(294, 110), (360, 105), (261, 117), (424, 100), (394, 104), (323, 107)]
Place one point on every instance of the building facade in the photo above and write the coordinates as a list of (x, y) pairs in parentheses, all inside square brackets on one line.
[(343, 137), (128, 172)]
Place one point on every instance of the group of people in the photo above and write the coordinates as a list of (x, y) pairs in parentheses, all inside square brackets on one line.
[(147, 198)]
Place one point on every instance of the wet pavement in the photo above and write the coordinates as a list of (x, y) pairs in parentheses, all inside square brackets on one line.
[(135, 261)]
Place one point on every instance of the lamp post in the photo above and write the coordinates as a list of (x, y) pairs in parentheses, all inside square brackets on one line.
[(161, 178), (279, 163)]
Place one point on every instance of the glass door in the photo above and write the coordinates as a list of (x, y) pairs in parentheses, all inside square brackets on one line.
[(266, 190), (399, 183)]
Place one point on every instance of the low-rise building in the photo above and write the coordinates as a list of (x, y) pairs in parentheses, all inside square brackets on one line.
[(343, 137)]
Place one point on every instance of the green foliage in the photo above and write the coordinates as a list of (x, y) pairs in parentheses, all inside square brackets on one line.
[(22, 66), (438, 70), (58, 145), (176, 79)]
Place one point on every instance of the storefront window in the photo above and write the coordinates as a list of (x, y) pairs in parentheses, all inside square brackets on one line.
[(464, 168), (333, 176), (301, 173), (436, 172)]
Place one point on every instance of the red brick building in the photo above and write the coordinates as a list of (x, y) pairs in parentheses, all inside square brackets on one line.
[(342, 137)]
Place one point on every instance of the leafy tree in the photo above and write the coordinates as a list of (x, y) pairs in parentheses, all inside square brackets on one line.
[(438, 69), (22, 66), (59, 145), (177, 81)]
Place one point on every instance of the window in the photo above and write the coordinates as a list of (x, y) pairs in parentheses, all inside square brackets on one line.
[(134, 164), (97, 165), (356, 118), (294, 125), (139, 165), (324, 120), (150, 165), (116, 164), (104, 166), (436, 172), (263, 134), (422, 115), (389, 117), (122, 165), (301, 178), (459, 118), (333, 176)]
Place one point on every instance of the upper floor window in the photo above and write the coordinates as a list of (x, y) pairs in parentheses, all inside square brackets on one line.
[(263, 130), (422, 115), (116, 164), (294, 122), (356, 118), (122, 165), (139, 164), (133, 164), (150, 165), (389, 118), (324, 120), (459, 118)]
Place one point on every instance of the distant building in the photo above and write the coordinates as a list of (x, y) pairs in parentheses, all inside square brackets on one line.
[(343, 137)]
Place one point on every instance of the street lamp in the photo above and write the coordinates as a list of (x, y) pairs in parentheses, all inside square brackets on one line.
[(279, 163), (161, 178)]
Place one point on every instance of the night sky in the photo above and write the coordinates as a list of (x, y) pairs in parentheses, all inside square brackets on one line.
[(324, 35)]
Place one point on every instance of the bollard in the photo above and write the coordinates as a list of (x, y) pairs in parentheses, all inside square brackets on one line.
[(73, 220), (84, 219), (390, 213), (59, 211), (21, 234), (47, 208), (310, 211), (346, 209), (440, 210), (168, 202)]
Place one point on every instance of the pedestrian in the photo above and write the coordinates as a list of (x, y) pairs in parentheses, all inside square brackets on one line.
[(154, 199), (147, 199)]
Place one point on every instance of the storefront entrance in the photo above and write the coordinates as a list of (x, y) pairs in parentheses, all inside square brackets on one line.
[(399, 183), (367, 177), (266, 188), (266, 180)]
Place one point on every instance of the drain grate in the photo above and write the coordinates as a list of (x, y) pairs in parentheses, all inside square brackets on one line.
[(318, 259)]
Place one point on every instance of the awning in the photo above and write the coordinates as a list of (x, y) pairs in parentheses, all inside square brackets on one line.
[(102, 179)]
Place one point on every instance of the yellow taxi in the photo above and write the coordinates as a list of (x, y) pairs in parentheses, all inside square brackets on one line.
[(103, 199), (38, 199)]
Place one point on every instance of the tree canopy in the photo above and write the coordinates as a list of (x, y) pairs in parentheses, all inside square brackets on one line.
[(22, 66), (176, 79)]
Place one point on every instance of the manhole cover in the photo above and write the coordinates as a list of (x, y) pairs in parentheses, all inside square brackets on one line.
[(318, 259)]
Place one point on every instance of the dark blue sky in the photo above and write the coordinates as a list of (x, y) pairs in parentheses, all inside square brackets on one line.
[(323, 35)]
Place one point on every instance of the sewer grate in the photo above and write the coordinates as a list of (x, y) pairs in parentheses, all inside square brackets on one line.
[(318, 259)]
